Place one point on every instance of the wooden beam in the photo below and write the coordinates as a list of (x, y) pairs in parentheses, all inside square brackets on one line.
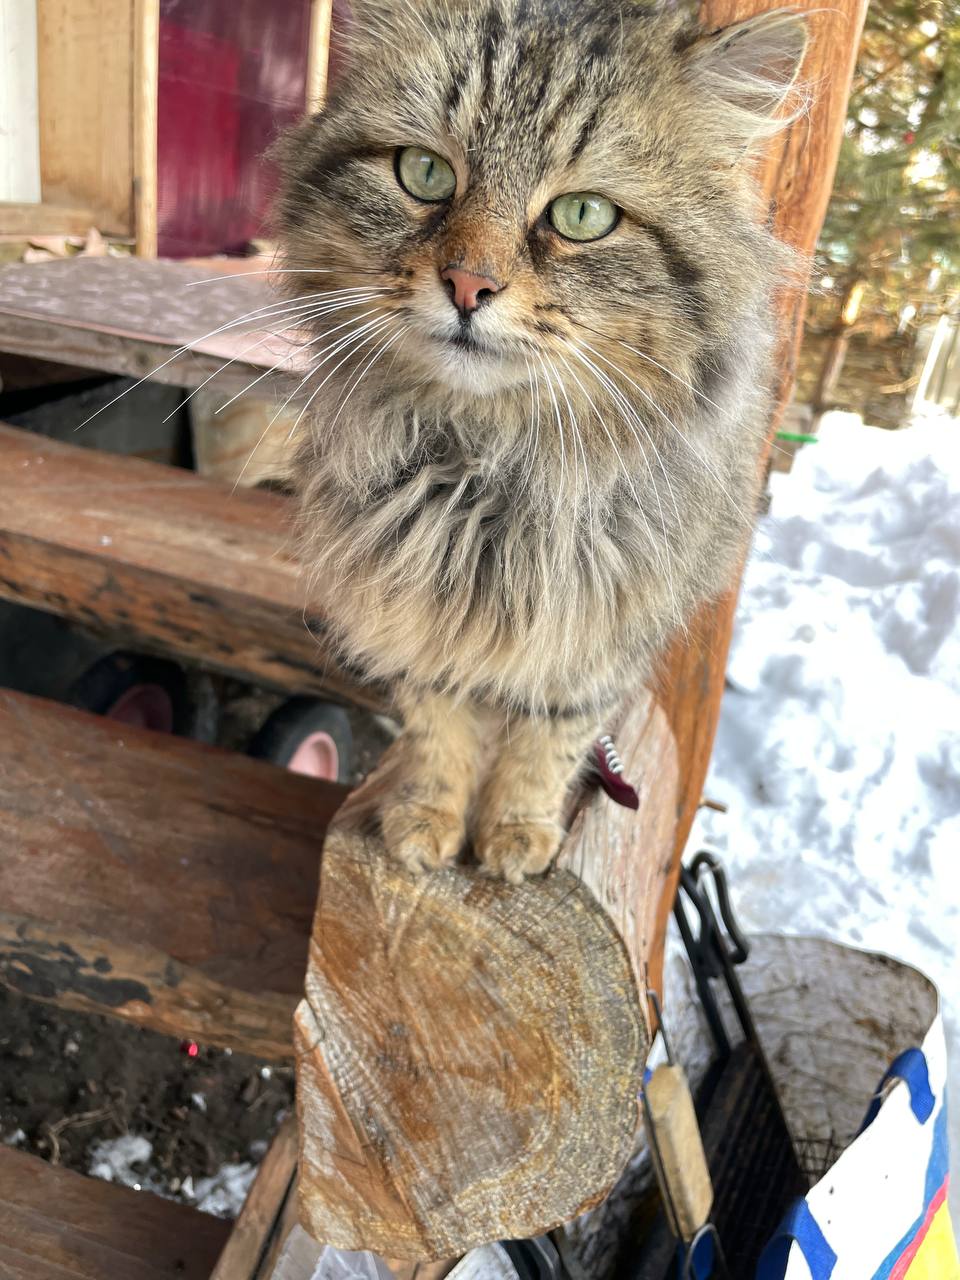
[(469, 1052), (59, 1225), (796, 179), (318, 53), (145, 91), (162, 559), (155, 879)]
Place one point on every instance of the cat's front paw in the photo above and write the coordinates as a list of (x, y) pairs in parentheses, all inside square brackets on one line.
[(420, 835), (515, 850)]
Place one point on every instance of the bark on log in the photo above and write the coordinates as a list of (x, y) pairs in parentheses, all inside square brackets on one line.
[(469, 1052)]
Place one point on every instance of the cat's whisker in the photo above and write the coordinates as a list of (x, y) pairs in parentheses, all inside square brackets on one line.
[(391, 339), (340, 306), (281, 271), (303, 381), (762, 435), (289, 355), (534, 383), (309, 374), (670, 423), (271, 311), (563, 452), (578, 442), (353, 341), (622, 403)]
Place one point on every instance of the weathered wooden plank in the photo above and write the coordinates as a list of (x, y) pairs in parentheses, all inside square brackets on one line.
[(262, 1209), (155, 879), (797, 178), (132, 315), (161, 558), (58, 1225)]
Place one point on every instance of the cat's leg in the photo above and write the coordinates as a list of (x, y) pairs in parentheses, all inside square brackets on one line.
[(430, 777), (518, 822)]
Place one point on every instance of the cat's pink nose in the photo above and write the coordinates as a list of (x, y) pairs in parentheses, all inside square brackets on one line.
[(467, 291)]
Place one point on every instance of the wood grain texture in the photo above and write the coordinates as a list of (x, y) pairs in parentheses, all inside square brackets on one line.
[(85, 71), (796, 178), (251, 1235), (155, 879), (318, 53), (132, 316), (59, 1225), (469, 1053), (161, 558)]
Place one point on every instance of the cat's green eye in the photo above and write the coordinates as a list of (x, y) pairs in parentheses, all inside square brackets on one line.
[(583, 215), (425, 174)]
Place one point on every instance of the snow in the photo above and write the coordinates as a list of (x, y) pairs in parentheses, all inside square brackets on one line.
[(127, 1160), (115, 1159), (838, 751)]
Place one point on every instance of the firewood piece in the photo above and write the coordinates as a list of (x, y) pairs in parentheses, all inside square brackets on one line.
[(469, 1052)]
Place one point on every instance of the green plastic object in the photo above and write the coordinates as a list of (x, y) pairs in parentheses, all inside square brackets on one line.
[(798, 436)]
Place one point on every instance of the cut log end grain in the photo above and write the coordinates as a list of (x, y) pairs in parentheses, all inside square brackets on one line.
[(467, 1052)]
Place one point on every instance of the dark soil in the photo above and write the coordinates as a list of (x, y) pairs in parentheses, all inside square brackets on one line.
[(70, 1080)]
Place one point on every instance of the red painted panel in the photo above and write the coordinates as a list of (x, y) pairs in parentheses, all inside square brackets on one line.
[(232, 75)]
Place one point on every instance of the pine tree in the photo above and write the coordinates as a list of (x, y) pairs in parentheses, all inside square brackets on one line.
[(889, 252)]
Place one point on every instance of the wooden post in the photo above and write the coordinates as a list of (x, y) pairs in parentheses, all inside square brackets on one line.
[(797, 179), (469, 1053)]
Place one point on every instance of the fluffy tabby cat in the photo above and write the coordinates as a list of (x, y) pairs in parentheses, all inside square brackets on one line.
[(525, 235)]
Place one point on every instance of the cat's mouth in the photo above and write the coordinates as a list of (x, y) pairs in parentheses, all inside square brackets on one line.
[(464, 340)]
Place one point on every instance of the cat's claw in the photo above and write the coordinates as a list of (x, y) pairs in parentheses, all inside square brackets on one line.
[(515, 850)]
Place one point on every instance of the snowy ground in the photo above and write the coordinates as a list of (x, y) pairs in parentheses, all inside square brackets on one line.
[(838, 753)]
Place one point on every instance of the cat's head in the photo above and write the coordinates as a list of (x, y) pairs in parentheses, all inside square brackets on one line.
[(534, 190)]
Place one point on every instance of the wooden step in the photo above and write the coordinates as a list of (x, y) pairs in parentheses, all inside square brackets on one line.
[(131, 315), (153, 878), (58, 1225), (163, 559)]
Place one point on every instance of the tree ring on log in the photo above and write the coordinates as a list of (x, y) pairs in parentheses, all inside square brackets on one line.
[(468, 1053)]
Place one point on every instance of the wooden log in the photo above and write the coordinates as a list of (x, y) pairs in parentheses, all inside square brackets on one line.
[(161, 558), (797, 178), (155, 879), (59, 1225), (469, 1052)]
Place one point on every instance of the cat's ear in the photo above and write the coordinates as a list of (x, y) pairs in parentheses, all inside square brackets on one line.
[(751, 71)]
